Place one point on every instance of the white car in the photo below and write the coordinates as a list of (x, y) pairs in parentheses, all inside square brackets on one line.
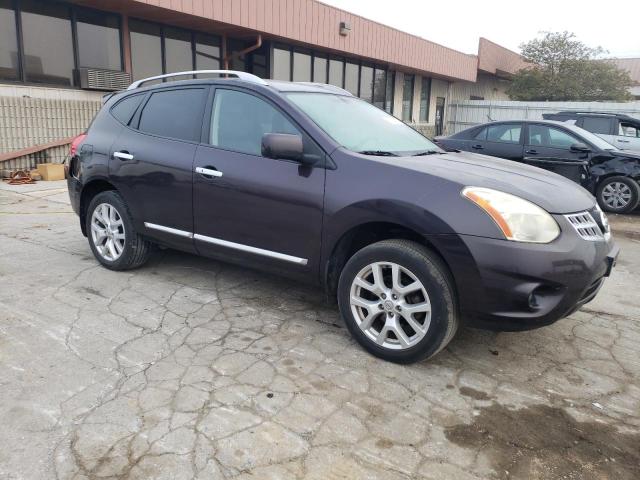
[(622, 131)]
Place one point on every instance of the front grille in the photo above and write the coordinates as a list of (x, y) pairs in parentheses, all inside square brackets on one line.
[(586, 226)]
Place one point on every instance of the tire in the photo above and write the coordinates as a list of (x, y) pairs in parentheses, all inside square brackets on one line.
[(129, 249), (376, 331), (618, 194)]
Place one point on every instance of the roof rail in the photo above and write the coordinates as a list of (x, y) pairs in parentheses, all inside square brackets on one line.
[(241, 75), (327, 86)]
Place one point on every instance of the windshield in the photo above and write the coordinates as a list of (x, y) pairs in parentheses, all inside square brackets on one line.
[(361, 127), (592, 137)]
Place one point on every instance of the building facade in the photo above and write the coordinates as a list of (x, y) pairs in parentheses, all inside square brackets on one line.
[(57, 58)]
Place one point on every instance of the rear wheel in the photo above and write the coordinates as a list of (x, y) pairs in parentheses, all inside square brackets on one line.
[(398, 301), (618, 194), (112, 236)]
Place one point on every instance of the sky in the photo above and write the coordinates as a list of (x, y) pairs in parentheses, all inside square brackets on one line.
[(459, 24)]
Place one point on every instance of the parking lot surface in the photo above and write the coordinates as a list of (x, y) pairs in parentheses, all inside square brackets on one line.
[(190, 368)]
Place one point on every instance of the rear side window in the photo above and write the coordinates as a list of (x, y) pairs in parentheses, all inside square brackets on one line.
[(597, 125), (507, 133), (174, 114), (125, 108)]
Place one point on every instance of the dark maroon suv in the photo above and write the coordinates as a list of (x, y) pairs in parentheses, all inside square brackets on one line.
[(308, 181)]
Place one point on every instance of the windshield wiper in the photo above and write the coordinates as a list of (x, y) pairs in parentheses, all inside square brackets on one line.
[(427, 152), (379, 153)]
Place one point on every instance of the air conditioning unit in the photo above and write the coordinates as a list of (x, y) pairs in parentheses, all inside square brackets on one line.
[(98, 79)]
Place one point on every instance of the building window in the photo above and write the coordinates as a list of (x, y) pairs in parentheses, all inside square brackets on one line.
[(301, 67), (320, 69), (425, 98), (9, 69), (351, 78), (391, 82), (366, 83), (281, 64), (146, 49), (336, 72), (177, 50), (48, 42), (207, 52), (379, 88), (183, 50), (407, 98), (98, 40)]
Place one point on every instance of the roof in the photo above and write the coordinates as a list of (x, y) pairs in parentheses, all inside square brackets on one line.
[(307, 22), (631, 65), (498, 60)]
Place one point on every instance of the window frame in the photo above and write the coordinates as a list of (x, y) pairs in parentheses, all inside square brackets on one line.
[(413, 87), (134, 123), (520, 137), (192, 40), (527, 138), (16, 6), (328, 58), (208, 117)]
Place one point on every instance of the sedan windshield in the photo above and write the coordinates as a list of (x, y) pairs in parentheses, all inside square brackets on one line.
[(360, 127)]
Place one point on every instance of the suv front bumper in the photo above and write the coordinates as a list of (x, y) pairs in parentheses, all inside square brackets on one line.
[(511, 286)]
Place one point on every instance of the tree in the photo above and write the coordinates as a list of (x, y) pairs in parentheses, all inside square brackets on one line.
[(563, 68)]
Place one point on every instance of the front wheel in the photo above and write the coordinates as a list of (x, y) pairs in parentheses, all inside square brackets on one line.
[(618, 194), (398, 301)]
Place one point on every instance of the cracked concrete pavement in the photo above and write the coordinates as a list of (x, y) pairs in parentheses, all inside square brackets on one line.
[(190, 368)]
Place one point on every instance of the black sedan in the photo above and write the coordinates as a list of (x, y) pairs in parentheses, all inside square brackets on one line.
[(612, 175)]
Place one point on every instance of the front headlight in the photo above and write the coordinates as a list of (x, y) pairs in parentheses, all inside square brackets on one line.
[(517, 218)]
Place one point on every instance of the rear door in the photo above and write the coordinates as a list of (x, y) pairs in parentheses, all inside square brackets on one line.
[(502, 140), (628, 135), (152, 163), (549, 148), (250, 208)]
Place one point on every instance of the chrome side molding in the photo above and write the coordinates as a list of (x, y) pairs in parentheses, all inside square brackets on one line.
[(255, 250), (174, 231), (225, 243)]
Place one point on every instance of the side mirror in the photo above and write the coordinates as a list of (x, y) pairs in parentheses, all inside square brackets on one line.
[(282, 146), (580, 147)]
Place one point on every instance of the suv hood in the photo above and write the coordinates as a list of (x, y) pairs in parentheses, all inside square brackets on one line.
[(548, 190)]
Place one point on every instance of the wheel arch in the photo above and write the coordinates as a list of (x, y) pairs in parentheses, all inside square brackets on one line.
[(358, 237), (90, 190)]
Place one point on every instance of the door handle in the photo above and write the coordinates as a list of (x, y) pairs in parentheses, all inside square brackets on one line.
[(208, 171), (531, 152), (622, 141), (123, 155), (477, 147)]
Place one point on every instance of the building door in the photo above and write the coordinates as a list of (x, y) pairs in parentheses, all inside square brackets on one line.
[(439, 115)]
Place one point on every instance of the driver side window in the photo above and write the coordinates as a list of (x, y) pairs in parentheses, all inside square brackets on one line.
[(239, 120)]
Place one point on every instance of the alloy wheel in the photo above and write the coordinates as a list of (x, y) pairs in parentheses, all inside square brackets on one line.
[(107, 232), (390, 305), (616, 195)]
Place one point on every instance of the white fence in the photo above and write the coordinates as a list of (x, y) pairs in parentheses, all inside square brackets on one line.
[(461, 115)]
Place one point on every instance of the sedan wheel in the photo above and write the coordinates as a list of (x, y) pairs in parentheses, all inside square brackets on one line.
[(618, 194)]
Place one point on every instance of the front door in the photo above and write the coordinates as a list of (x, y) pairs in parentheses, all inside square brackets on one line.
[(152, 164), (550, 148), (249, 208)]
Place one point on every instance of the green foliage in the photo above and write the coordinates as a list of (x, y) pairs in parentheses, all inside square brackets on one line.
[(564, 69)]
